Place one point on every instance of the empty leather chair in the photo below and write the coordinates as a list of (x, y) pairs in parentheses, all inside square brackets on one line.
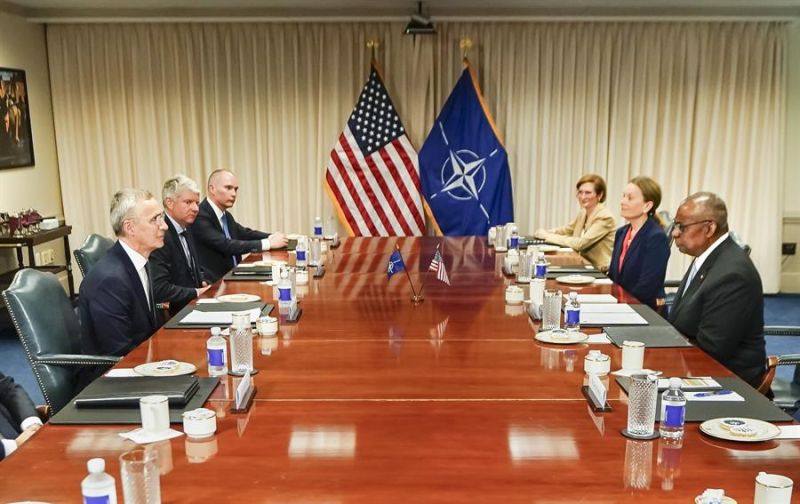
[(51, 336), (93, 248)]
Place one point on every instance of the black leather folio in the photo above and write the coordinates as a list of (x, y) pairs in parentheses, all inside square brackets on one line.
[(126, 391)]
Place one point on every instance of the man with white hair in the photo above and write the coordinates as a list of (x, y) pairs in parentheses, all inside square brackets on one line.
[(221, 240), (177, 275), (117, 304), (720, 303)]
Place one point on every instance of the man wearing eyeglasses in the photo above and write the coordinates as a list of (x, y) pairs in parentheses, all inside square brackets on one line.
[(117, 305), (719, 303)]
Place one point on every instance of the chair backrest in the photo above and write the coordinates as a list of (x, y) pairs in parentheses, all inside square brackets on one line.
[(93, 248), (738, 240), (46, 323)]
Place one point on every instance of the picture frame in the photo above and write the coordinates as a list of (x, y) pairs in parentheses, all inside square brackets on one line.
[(16, 140)]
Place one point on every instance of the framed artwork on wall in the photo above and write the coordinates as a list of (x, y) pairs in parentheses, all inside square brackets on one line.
[(16, 142)]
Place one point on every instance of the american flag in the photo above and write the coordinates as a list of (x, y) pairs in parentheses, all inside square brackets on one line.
[(437, 265), (373, 172)]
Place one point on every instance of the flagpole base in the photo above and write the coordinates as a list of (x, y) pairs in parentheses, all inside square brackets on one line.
[(417, 298)]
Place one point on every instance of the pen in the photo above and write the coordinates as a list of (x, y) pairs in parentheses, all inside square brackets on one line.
[(713, 393)]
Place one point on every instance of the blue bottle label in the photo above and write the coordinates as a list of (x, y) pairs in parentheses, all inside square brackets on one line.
[(216, 356), (573, 317), (285, 295), (541, 270), (102, 499), (514, 242), (317, 230), (674, 415), (301, 255)]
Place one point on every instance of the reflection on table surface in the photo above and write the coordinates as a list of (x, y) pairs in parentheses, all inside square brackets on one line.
[(370, 398)]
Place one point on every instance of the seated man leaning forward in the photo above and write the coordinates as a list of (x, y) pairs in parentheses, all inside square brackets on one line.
[(720, 303), (221, 240), (117, 305)]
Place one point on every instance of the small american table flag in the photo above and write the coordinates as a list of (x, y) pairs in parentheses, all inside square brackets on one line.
[(437, 265), (373, 172)]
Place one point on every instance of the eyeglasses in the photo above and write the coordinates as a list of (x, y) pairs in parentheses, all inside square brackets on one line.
[(681, 227)]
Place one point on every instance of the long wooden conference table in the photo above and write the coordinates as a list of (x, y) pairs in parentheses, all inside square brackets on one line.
[(371, 399)]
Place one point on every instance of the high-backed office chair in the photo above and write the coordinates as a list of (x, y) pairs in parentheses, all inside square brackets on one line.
[(93, 248), (784, 393), (51, 336)]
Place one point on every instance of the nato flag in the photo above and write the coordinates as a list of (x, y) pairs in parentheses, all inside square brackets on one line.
[(464, 167), (396, 264)]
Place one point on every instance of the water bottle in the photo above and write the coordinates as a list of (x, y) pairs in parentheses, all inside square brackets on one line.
[(284, 291), (572, 313), (99, 486), (315, 252), (217, 350), (318, 227), (673, 411), (300, 252), (541, 267), (513, 241)]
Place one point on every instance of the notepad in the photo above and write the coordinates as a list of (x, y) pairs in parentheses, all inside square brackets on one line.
[(606, 308), (217, 318), (594, 298), (607, 319)]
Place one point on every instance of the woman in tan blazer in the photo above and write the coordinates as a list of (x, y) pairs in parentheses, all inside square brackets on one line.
[(591, 234)]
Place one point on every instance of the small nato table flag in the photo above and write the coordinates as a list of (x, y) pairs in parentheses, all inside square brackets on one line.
[(464, 166), (396, 264)]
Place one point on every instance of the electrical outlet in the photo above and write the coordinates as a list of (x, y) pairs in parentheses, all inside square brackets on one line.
[(47, 256), (789, 249)]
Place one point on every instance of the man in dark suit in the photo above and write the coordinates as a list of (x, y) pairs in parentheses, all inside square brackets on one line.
[(117, 304), (719, 304), (177, 276), (18, 417), (220, 240)]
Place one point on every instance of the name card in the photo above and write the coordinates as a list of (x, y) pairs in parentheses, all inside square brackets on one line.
[(242, 389), (598, 389)]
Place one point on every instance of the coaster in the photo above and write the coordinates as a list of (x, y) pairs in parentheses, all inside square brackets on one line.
[(253, 371), (627, 434)]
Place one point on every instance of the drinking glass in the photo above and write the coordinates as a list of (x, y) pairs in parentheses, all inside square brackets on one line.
[(140, 477), (551, 314), (642, 397), (241, 344), (524, 269)]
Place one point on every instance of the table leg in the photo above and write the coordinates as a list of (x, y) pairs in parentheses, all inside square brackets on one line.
[(19, 257), (31, 257), (68, 262)]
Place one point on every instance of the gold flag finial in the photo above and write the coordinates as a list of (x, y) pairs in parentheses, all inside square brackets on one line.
[(373, 45), (465, 44)]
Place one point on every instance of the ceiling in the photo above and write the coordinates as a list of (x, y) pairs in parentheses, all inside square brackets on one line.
[(216, 10)]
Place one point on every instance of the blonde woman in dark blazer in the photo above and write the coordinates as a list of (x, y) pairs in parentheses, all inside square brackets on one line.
[(591, 234)]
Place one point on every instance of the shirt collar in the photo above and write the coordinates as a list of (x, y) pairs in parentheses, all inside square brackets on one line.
[(139, 261), (178, 228), (219, 213), (702, 257)]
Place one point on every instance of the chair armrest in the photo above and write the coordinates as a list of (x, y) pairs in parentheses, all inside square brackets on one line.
[(78, 360), (781, 330), (44, 412), (788, 360)]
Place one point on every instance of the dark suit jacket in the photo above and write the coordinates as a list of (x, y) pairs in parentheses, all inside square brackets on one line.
[(645, 263), (113, 306), (723, 311), (173, 280), (215, 251), (15, 406)]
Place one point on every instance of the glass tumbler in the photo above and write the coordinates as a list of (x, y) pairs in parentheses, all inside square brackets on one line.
[(241, 339), (551, 313), (139, 471), (642, 397)]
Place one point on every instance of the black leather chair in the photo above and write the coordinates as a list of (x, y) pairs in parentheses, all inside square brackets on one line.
[(51, 336), (784, 393), (93, 248)]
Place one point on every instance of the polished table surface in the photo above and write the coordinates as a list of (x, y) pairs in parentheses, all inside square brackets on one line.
[(369, 398)]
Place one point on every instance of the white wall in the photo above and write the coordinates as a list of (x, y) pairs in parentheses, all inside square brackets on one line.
[(790, 269), (23, 46)]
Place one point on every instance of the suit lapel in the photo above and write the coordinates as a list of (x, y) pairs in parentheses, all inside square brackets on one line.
[(699, 278), (133, 277), (636, 243), (176, 237), (205, 206)]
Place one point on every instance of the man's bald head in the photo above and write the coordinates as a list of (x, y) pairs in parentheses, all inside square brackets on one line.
[(700, 220), (222, 188)]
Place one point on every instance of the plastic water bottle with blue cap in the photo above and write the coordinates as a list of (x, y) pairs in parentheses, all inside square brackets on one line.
[(673, 411), (98, 487), (318, 227), (572, 313)]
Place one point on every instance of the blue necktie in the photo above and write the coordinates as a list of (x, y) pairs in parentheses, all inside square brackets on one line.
[(224, 220)]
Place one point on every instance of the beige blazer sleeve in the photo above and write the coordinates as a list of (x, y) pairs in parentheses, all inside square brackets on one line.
[(598, 227)]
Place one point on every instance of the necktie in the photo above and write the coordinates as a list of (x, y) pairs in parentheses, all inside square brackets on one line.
[(187, 253), (224, 220)]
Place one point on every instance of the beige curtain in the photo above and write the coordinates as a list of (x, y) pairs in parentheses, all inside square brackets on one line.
[(694, 105)]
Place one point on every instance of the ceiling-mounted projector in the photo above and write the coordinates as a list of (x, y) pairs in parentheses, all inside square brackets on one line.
[(419, 24)]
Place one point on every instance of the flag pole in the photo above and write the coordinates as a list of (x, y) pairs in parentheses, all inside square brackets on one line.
[(465, 44), (415, 298), (434, 255), (373, 45)]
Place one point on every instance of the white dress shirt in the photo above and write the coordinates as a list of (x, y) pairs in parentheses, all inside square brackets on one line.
[(265, 245), (10, 445), (139, 263)]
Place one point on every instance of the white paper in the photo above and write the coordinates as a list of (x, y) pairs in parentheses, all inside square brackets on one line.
[(630, 372), (603, 281), (606, 308), (712, 397), (246, 265), (141, 436), (603, 319), (207, 301), (216, 318), (121, 373), (693, 382), (241, 390), (594, 298), (789, 432), (597, 388), (599, 338)]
